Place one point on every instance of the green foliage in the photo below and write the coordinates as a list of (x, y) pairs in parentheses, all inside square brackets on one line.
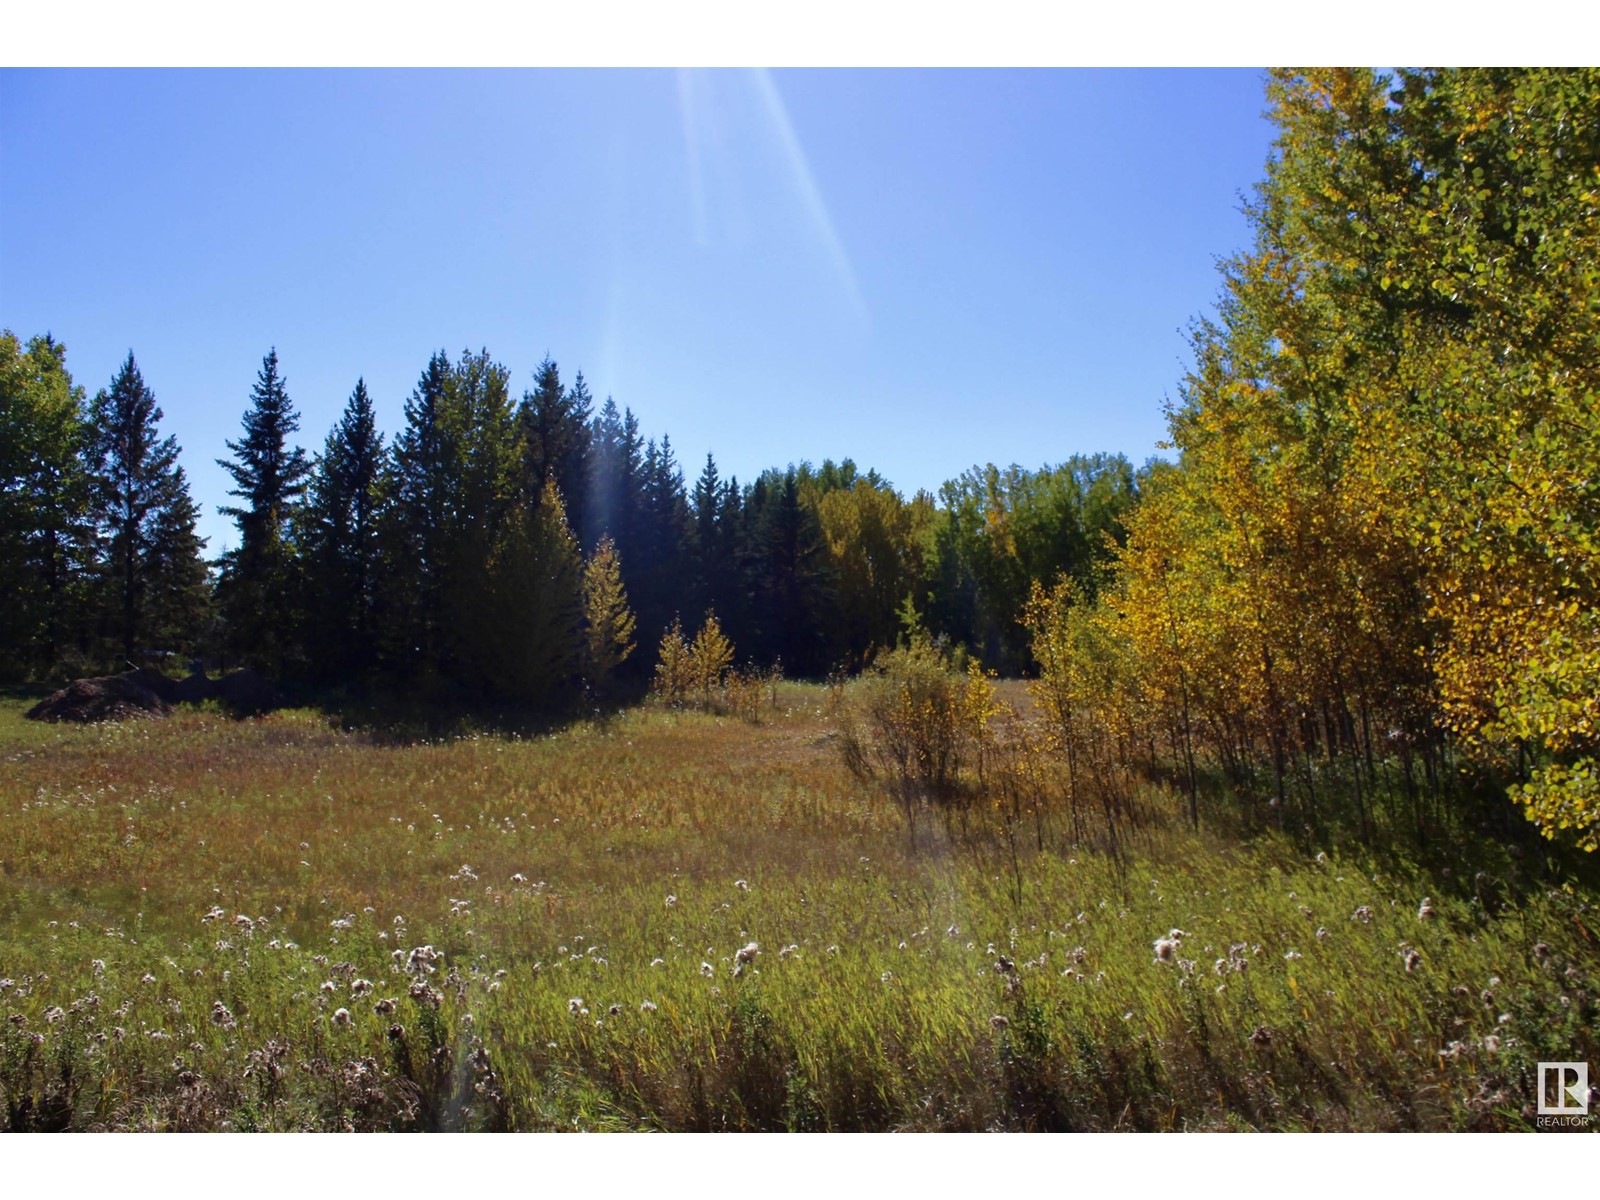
[(889, 989), (45, 495), (341, 544), (256, 588), (154, 593)]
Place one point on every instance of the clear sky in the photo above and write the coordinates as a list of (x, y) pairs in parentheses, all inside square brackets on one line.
[(921, 270)]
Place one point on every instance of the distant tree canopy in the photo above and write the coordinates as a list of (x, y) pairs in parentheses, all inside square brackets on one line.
[(1380, 541)]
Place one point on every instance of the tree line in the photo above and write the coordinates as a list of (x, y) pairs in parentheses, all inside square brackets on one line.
[(1373, 569), (512, 551)]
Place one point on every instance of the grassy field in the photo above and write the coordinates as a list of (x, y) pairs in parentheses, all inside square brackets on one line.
[(684, 921)]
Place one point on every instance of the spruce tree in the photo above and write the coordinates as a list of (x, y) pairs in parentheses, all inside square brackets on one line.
[(418, 526), (257, 584), (342, 520), (556, 440), (534, 606), (153, 580)]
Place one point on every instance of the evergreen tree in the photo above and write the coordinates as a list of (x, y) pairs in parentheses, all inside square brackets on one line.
[(257, 577), (45, 532), (556, 437), (343, 513), (417, 527), (789, 577), (535, 606), (608, 622), (662, 564), (154, 580)]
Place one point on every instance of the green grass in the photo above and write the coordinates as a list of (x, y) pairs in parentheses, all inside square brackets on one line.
[(587, 976)]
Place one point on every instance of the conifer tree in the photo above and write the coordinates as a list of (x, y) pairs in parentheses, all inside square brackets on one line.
[(673, 676), (153, 578), (535, 606), (556, 437), (710, 656), (343, 512), (417, 527), (608, 621), (257, 586)]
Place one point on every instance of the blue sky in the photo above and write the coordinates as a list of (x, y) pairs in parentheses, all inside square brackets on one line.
[(922, 270)]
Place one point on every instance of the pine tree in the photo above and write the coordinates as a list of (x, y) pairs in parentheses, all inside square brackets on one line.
[(417, 527), (608, 622), (45, 532), (556, 440), (257, 583), (535, 606), (342, 546), (154, 580)]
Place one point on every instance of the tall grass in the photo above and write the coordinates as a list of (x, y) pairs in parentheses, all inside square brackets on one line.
[(590, 898)]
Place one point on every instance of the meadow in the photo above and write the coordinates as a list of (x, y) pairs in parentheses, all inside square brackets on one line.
[(689, 921)]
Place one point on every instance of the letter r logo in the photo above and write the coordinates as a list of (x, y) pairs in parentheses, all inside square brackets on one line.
[(1563, 1088)]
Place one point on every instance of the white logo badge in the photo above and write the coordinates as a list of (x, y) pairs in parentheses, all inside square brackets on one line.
[(1563, 1089)]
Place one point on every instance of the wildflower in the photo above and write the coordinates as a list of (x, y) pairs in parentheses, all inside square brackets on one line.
[(1261, 1037), (615, 1010), (341, 1016), (707, 970), (1452, 1051), (421, 960), (1322, 934), (519, 877), (952, 932), (999, 1022), (384, 1007), (657, 962), (1080, 955), (220, 1016), (423, 993), (1322, 859), (886, 977), (742, 885), (788, 950), (147, 978), (1166, 949), (1003, 965), (361, 987), (1363, 914), (1425, 911), (671, 900), (1541, 952), (54, 1015), (329, 986), (1491, 1044), (244, 922), (1292, 955), (646, 1006), (1413, 961)]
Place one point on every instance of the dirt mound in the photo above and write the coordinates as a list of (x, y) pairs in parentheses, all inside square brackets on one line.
[(105, 698)]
